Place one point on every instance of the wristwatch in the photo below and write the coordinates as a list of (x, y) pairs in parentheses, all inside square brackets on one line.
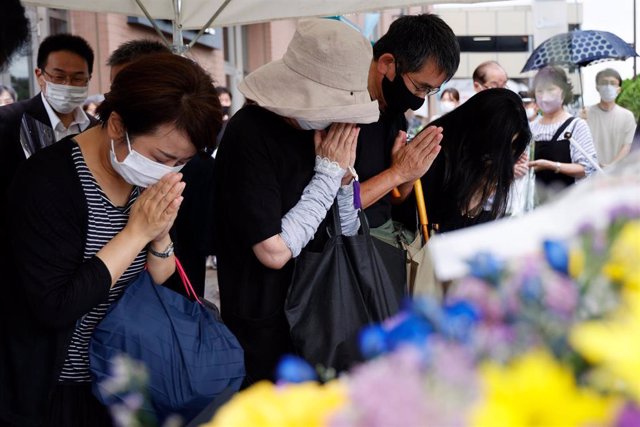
[(165, 254)]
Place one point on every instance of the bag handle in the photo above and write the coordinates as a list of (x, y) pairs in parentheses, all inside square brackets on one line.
[(186, 282), (337, 225)]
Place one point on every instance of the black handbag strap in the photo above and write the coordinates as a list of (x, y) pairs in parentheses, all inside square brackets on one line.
[(337, 225), (562, 128)]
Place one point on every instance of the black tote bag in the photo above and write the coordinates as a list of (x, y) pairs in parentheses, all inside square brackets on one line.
[(351, 282)]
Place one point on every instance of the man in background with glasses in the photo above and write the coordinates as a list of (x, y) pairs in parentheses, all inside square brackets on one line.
[(489, 75), (64, 67)]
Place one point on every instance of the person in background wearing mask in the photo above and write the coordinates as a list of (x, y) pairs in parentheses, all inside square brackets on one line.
[(225, 100), (612, 126), (416, 56), (7, 95), (558, 162), (529, 102), (82, 229), (449, 100)]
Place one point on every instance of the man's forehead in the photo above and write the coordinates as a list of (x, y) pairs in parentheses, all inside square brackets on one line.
[(608, 79)]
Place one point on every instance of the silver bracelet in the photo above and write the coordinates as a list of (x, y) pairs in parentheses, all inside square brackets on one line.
[(165, 254)]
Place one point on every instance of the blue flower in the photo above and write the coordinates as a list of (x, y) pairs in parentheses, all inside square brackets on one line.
[(412, 330), (486, 266), (459, 319), (373, 341), (531, 289), (557, 255), (293, 369)]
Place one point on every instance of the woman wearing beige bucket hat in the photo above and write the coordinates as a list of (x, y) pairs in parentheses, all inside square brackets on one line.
[(278, 172)]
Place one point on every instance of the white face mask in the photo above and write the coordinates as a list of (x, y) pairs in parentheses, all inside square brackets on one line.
[(608, 93), (64, 99), (138, 170), (446, 106), (531, 112), (309, 125)]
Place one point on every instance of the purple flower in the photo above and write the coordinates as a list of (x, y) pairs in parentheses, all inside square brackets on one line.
[(629, 416)]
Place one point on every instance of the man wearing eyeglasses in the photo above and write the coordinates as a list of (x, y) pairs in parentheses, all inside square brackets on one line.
[(489, 75), (410, 62), (64, 68)]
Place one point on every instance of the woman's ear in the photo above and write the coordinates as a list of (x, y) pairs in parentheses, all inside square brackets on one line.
[(115, 127)]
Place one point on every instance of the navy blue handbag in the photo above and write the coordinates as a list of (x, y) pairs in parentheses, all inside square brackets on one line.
[(190, 355)]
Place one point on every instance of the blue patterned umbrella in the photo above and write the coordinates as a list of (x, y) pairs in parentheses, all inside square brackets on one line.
[(579, 49)]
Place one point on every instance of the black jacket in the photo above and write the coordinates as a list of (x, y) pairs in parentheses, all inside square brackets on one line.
[(53, 286)]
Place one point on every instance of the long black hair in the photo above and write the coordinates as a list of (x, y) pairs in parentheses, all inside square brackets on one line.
[(479, 150)]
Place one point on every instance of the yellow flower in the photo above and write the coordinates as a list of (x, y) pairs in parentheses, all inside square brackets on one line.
[(614, 344), (535, 390), (576, 262), (293, 405), (624, 257)]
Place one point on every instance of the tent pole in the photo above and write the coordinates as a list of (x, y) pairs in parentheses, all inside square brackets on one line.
[(153, 23), (208, 24), (581, 90), (178, 41)]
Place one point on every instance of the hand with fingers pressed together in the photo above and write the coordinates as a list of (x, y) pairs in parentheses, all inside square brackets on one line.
[(338, 144), (412, 160), (155, 211)]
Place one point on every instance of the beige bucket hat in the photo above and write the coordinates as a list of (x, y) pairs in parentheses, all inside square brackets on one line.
[(322, 76)]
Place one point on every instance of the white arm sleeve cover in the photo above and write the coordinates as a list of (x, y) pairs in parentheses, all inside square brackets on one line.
[(301, 223)]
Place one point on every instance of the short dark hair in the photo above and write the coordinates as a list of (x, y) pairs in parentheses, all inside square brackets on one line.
[(451, 91), (609, 72), (480, 73), (222, 89), (11, 91), (414, 39), (162, 89), (14, 31), (68, 42), (133, 49), (478, 148), (556, 76)]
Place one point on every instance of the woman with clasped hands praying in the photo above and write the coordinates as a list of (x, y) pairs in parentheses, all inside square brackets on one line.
[(87, 214)]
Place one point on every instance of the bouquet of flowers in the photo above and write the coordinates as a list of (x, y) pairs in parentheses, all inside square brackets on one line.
[(550, 339)]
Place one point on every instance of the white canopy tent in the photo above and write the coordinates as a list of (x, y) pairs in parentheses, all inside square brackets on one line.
[(203, 14)]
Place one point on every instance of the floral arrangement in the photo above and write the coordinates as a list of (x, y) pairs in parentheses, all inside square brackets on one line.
[(551, 339)]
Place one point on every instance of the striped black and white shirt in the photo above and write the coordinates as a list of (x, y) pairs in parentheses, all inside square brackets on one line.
[(105, 221)]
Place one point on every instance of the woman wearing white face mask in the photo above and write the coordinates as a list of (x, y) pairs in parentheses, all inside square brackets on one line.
[(84, 226), (557, 161)]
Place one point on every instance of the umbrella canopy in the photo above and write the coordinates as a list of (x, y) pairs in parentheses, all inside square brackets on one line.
[(194, 14), (579, 49)]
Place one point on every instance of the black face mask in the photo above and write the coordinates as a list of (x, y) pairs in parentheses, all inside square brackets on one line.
[(225, 111), (398, 97)]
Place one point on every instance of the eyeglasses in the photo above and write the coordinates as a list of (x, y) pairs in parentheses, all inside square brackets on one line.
[(61, 79), (426, 89), (493, 85)]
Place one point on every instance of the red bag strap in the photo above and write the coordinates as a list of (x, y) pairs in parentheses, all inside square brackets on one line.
[(186, 282)]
